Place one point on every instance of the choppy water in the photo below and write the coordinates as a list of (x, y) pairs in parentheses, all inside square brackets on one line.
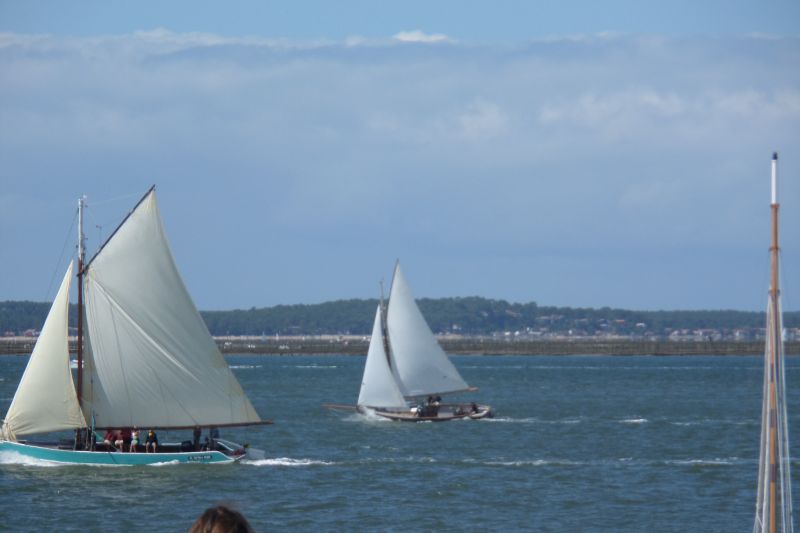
[(578, 444)]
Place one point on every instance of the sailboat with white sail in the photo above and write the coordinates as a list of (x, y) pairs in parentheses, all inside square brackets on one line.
[(406, 371), (145, 359), (774, 499)]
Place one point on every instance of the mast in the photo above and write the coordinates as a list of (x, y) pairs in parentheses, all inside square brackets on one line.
[(81, 259), (384, 330), (773, 505)]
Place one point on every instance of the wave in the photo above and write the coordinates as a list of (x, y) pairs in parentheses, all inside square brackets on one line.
[(600, 462), (703, 462), (534, 462), (710, 421), (532, 420), (634, 421), (483, 367), (311, 366), (286, 461), (628, 367), (245, 367)]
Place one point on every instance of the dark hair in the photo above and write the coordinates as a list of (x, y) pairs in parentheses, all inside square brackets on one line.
[(221, 519)]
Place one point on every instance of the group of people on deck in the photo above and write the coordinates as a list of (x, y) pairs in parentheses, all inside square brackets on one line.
[(127, 438), (430, 407)]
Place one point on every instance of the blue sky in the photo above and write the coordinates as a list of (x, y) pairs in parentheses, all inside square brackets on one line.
[(473, 20), (570, 153)]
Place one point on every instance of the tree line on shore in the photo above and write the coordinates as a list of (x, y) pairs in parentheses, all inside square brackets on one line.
[(465, 315)]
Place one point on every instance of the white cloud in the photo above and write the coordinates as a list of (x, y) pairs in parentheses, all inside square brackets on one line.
[(482, 121), (418, 36)]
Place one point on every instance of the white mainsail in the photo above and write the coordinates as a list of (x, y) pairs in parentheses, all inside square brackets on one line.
[(150, 360), (421, 365), (378, 386), (45, 400)]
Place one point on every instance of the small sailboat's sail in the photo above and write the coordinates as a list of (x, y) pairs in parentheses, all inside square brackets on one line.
[(150, 360), (378, 386), (421, 365), (45, 400), (774, 500)]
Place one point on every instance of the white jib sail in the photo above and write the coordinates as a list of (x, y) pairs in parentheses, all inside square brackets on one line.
[(422, 366), (46, 400), (150, 359), (378, 386)]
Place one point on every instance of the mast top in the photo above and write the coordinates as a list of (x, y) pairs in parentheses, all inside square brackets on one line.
[(774, 178)]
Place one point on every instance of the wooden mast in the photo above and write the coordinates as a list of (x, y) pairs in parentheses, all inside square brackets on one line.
[(774, 501), (775, 333)]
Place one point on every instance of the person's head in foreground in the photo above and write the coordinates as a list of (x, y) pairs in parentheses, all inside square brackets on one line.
[(221, 519)]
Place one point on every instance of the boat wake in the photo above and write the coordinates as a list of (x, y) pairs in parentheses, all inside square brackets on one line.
[(368, 416), (13, 458), (286, 461), (165, 463)]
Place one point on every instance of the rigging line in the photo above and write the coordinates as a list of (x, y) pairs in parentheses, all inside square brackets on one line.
[(116, 199), (784, 284), (61, 257), (93, 221)]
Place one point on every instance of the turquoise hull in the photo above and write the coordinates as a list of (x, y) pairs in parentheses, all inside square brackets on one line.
[(56, 455)]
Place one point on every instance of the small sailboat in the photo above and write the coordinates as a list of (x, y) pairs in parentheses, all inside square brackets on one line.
[(774, 499), (145, 360), (406, 371)]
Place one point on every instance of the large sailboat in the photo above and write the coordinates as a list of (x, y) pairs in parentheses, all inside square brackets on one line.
[(406, 370), (146, 361), (774, 500)]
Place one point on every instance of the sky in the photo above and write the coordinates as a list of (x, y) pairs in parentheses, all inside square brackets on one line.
[(575, 153)]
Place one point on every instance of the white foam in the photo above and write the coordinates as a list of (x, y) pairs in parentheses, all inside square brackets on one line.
[(368, 416), (536, 462), (703, 462), (245, 367), (533, 420), (165, 463), (14, 458), (285, 461), (634, 421)]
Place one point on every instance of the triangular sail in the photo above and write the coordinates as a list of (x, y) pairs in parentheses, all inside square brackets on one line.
[(774, 499), (45, 400), (422, 366), (378, 386), (150, 359)]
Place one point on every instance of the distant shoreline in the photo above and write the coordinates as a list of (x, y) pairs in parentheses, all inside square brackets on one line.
[(340, 345)]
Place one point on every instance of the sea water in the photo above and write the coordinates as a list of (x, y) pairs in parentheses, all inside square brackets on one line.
[(579, 443)]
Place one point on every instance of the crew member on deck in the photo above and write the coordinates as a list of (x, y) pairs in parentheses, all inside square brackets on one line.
[(108, 438), (134, 439), (152, 440), (196, 438)]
